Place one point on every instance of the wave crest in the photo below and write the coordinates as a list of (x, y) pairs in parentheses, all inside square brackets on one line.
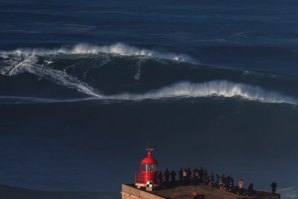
[(221, 88), (119, 49)]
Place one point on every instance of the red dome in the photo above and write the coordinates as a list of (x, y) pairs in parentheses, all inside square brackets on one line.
[(149, 159)]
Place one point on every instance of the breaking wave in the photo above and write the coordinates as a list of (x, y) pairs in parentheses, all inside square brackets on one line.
[(39, 63), (119, 49), (180, 90), (220, 88)]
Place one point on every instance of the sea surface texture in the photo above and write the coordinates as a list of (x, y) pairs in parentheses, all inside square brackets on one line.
[(86, 85)]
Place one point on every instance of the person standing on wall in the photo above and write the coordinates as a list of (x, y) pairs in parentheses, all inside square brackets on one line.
[(241, 187), (273, 186)]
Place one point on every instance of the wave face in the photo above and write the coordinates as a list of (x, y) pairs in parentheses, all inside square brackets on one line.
[(28, 62), (78, 69)]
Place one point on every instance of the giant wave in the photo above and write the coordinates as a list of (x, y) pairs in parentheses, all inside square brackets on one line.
[(38, 62)]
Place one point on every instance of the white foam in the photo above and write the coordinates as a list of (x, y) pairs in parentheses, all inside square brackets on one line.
[(208, 89), (119, 49)]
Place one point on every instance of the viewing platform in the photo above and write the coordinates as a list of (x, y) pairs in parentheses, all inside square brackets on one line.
[(129, 191), (151, 183)]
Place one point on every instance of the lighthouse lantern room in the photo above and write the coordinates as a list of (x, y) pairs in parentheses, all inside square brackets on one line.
[(146, 177)]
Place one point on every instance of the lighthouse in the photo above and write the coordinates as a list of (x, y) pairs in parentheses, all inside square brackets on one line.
[(146, 176)]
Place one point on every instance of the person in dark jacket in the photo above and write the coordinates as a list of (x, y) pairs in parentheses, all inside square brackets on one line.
[(232, 188), (273, 186), (180, 176), (159, 177), (211, 178), (250, 189), (217, 179), (227, 183), (205, 177), (201, 173), (173, 178), (188, 176), (167, 176), (195, 176), (223, 181)]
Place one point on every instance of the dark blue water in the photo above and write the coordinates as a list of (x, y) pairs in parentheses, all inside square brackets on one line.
[(85, 85)]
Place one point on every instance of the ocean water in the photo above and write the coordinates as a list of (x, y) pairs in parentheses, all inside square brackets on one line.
[(85, 86)]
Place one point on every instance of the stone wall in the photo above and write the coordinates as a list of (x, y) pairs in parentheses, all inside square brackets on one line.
[(130, 192)]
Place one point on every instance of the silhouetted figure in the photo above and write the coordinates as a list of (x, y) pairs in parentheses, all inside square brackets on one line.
[(205, 177), (188, 176), (195, 176), (167, 176), (227, 183), (173, 178), (156, 177), (223, 181), (159, 177), (232, 182), (180, 175), (232, 188), (273, 186), (211, 178), (250, 189), (201, 173), (217, 178)]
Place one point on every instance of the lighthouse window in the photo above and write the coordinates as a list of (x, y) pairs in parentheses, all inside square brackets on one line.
[(148, 167)]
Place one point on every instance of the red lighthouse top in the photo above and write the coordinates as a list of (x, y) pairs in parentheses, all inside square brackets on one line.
[(149, 159)]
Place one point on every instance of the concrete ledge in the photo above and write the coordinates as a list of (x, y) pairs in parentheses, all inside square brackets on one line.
[(130, 192), (187, 192)]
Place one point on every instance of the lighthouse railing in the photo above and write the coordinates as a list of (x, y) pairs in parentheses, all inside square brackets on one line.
[(139, 177)]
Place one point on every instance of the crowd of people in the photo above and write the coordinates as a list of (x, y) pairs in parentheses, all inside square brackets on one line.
[(201, 176)]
